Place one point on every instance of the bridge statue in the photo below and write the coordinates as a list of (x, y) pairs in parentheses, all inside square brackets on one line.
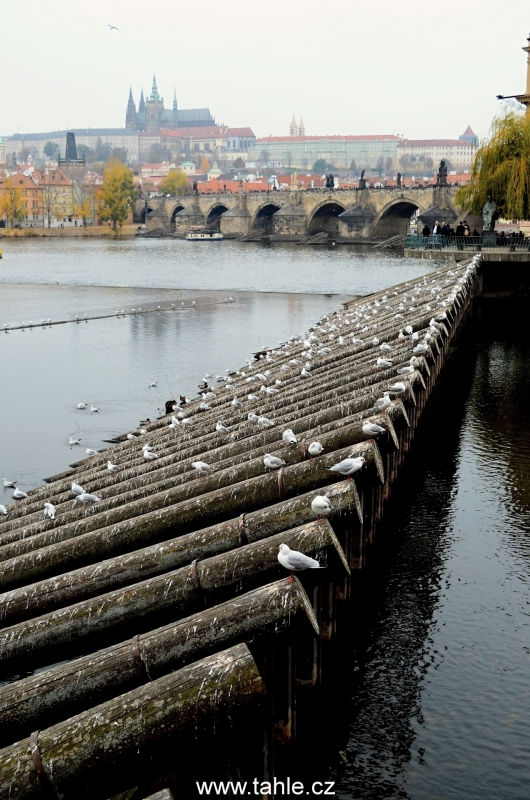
[(441, 178), (489, 214), (398, 180), (362, 182)]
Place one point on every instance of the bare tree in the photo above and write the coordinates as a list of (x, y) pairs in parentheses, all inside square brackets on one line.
[(49, 196)]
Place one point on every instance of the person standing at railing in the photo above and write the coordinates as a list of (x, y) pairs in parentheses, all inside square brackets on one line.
[(436, 233), (460, 233)]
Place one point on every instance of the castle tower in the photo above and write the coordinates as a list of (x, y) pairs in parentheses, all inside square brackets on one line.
[(154, 108), (130, 116), (301, 127), (141, 106), (525, 98), (293, 128)]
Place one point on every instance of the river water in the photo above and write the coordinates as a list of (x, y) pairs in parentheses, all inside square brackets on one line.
[(433, 696)]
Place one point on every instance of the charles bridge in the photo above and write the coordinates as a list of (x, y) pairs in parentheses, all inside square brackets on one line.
[(342, 214)]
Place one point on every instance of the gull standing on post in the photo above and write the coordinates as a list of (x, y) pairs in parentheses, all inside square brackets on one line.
[(112, 467), (289, 437), (348, 466), (321, 505), (18, 494), (371, 429), (272, 462), (77, 489), (49, 510), (314, 449), (295, 561), (201, 467), (3, 510)]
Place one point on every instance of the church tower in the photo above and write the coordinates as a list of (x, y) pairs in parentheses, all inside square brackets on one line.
[(154, 108), (175, 107), (141, 106), (301, 127), (130, 117), (293, 128)]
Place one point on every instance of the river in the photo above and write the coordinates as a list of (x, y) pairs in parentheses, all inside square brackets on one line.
[(432, 695)]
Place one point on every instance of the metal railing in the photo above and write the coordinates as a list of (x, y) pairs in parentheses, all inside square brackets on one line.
[(439, 242)]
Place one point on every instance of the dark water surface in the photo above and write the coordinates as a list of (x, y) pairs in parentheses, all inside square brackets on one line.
[(441, 672)]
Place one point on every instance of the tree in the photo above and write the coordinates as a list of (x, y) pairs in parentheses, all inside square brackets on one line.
[(51, 149), (404, 161), (49, 197), (103, 151), (83, 203), (11, 202), (239, 163), (117, 194), (353, 165), (320, 165), (86, 152), (205, 164), (429, 163), (120, 153), (175, 183), (265, 156), (388, 163)]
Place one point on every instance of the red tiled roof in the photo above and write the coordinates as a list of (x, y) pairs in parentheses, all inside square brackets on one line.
[(240, 132), (433, 143)]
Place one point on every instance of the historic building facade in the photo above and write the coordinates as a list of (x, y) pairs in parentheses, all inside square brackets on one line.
[(152, 116)]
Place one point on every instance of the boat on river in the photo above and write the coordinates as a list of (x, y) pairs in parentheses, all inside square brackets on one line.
[(198, 233)]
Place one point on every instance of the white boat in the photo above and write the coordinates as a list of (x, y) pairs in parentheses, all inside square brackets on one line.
[(204, 236)]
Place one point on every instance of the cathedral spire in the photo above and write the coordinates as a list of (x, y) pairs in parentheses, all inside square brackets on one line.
[(175, 107), (154, 90), (293, 127), (130, 116), (301, 127), (141, 105)]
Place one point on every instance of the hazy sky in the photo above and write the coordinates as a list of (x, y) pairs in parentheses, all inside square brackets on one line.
[(351, 67)]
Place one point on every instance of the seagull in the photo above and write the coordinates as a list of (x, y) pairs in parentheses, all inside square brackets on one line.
[(289, 437), (201, 467), (236, 403), (397, 388), (186, 421), (384, 362), (81, 405), (371, 429), (383, 402), (74, 441), (305, 373), (253, 417), (93, 408), (415, 362), (153, 385), (9, 484), (49, 510), (295, 561), (265, 423), (421, 348), (385, 347), (405, 371), (408, 329), (77, 489), (114, 28), (91, 452), (112, 467), (272, 462), (131, 436), (148, 455), (87, 498), (18, 494), (348, 466), (220, 428), (314, 449), (204, 407), (3, 510), (321, 505), (143, 431)]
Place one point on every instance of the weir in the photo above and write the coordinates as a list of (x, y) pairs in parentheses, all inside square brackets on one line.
[(165, 601)]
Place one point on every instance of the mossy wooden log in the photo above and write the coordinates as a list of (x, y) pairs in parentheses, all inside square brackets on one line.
[(39, 700), (175, 593), (69, 587), (242, 465), (221, 503), (79, 757)]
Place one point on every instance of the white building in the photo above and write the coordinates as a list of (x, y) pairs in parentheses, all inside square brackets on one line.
[(460, 153), (90, 137)]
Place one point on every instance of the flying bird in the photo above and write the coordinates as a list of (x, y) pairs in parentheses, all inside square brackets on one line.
[(114, 28)]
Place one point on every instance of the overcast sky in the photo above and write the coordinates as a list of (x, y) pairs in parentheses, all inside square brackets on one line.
[(349, 66)]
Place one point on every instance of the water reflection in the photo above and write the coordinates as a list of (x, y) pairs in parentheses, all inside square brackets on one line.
[(441, 705)]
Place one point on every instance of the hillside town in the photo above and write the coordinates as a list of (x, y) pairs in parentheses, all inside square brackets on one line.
[(53, 179)]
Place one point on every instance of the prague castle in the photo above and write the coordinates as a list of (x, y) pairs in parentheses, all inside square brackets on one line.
[(152, 116)]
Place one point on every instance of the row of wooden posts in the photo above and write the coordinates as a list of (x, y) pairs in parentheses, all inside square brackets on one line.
[(153, 596)]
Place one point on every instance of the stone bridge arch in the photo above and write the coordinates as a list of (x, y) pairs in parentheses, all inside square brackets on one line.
[(174, 211), (324, 218), (263, 218), (395, 217), (212, 216)]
